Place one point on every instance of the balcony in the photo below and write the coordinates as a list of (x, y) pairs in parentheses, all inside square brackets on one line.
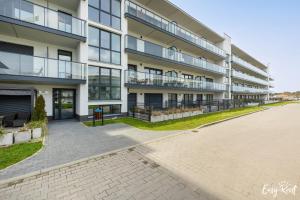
[(248, 66), (144, 48), (19, 67), (28, 14), (241, 89), (249, 78), (135, 79), (147, 17)]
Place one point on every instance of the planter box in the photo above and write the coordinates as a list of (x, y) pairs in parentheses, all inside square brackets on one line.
[(186, 114), (176, 116), (6, 139), (197, 113), (156, 118), (252, 104), (36, 133), (171, 116), (24, 136)]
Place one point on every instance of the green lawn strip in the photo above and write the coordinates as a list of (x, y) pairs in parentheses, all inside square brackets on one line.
[(15, 153), (180, 124), (281, 103)]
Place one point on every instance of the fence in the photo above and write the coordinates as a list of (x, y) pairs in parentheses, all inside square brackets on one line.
[(176, 110)]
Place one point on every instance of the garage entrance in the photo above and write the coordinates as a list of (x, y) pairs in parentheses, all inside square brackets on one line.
[(14, 100)]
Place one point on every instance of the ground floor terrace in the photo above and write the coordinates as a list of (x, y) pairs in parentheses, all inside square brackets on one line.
[(69, 101)]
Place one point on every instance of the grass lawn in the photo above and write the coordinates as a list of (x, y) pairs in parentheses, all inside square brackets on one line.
[(180, 124), (281, 103), (15, 153)]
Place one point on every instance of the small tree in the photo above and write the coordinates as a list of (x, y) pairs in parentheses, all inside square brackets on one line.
[(39, 112)]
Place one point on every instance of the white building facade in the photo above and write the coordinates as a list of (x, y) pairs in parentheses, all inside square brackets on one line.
[(81, 54)]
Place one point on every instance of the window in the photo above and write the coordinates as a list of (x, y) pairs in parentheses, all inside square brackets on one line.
[(106, 12), (209, 97), (104, 83), (172, 74), (104, 46), (188, 99), (107, 109), (64, 21), (187, 76), (153, 76), (209, 80), (94, 83), (153, 71), (172, 100)]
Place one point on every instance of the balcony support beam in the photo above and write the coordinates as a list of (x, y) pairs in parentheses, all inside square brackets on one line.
[(40, 80)]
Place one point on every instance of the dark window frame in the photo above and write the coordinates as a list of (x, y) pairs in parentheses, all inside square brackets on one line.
[(107, 49), (110, 84), (154, 69), (110, 13)]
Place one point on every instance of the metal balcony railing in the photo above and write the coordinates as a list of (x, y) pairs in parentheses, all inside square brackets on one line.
[(29, 12), (142, 79), (171, 27), (249, 66), (241, 89), (249, 78), (169, 54), (24, 65)]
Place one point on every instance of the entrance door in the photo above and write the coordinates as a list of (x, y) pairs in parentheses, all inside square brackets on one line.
[(64, 21), (63, 104), (132, 101)]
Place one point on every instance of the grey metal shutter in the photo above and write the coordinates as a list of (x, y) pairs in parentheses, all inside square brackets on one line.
[(14, 104)]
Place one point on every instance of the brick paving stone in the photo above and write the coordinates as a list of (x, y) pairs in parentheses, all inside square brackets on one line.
[(119, 176)]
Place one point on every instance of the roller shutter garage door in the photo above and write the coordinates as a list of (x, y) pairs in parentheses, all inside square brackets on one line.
[(14, 104)]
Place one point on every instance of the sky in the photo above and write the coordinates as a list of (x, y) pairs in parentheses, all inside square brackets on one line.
[(269, 30)]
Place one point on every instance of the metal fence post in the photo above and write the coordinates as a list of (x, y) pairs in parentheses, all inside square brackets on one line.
[(150, 113), (133, 112)]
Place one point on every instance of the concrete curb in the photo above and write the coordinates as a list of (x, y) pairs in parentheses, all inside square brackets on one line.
[(20, 179)]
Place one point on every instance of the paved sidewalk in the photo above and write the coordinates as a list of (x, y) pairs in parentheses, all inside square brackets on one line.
[(70, 140), (120, 176)]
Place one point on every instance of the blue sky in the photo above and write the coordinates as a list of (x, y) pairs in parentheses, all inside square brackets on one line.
[(269, 30)]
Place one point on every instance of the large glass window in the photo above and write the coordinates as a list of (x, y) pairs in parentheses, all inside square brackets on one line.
[(104, 46), (114, 109), (104, 83), (94, 83), (107, 12)]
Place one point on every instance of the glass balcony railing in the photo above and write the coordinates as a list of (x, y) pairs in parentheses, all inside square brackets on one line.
[(39, 15), (249, 66), (248, 78), (171, 27), (159, 51), (24, 65), (145, 79), (241, 89)]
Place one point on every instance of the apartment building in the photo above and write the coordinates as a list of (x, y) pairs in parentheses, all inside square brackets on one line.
[(81, 54)]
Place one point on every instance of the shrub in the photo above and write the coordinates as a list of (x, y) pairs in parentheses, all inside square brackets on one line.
[(36, 124), (2, 131), (39, 113), (24, 128)]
